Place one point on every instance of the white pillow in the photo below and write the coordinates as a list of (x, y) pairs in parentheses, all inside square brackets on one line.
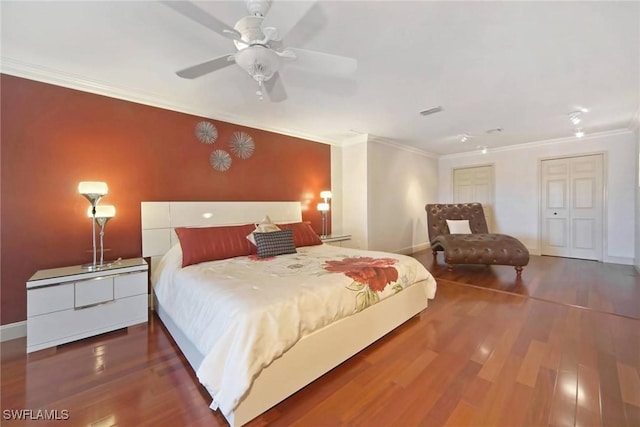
[(459, 226), (264, 226)]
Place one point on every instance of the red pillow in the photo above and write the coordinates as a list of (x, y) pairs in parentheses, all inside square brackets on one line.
[(303, 234), (200, 244)]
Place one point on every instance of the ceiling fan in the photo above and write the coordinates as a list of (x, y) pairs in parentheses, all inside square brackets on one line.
[(259, 47)]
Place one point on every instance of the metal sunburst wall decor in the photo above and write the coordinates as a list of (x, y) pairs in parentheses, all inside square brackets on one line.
[(242, 145), (206, 132), (220, 160)]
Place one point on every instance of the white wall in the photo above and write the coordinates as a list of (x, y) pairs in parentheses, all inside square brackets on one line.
[(354, 190), (400, 182), (636, 132), (382, 189), (335, 214), (517, 190)]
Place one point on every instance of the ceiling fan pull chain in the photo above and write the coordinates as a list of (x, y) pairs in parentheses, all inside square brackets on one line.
[(259, 91)]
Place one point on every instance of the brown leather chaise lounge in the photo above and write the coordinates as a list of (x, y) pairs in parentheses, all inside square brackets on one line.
[(479, 247)]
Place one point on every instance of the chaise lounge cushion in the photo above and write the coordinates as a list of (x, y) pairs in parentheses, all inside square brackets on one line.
[(496, 249)]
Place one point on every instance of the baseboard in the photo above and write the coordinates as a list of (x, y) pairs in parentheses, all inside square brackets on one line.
[(12, 331), (618, 260), (413, 249)]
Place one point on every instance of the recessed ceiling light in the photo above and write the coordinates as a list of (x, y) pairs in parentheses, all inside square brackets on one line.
[(431, 110), (465, 137), (483, 149), (579, 133)]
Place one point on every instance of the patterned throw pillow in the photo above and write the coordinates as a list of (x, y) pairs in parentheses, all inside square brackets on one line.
[(275, 243), (262, 228)]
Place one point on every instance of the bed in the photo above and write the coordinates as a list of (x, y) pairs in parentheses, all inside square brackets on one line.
[(252, 352)]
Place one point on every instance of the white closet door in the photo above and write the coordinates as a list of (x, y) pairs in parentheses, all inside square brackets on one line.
[(572, 206), (475, 184)]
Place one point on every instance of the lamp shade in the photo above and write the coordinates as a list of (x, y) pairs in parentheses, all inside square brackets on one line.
[(102, 211), (323, 207), (326, 194), (93, 187)]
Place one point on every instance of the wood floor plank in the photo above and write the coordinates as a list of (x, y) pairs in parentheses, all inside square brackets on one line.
[(462, 415), (539, 409), (629, 384), (528, 372)]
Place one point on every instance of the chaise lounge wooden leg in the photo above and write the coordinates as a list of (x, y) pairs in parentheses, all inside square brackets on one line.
[(518, 270)]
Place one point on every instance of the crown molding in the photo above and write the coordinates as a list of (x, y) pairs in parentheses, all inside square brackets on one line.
[(537, 144), (407, 148), (25, 70)]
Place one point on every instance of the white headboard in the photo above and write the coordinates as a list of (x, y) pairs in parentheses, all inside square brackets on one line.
[(160, 218)]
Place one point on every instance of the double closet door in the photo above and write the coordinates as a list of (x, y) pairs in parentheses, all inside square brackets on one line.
[(475, 184), (572, 194)]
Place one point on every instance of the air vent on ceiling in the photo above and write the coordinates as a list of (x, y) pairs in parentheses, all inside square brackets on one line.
[(431, 111)]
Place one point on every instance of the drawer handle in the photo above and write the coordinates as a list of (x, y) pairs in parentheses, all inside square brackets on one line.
[(111, 301)]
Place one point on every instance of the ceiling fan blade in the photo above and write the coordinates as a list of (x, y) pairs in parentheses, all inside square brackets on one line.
[(206, 67), (324, 62), (284, 15), (311, 24), (202, 17), (275, 88)]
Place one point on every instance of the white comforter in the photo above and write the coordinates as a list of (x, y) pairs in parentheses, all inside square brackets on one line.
[(242, 313)]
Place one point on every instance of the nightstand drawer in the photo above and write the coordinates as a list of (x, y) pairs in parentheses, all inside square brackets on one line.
[(69, 325), (127, 285), (94, 291), (49, 299)]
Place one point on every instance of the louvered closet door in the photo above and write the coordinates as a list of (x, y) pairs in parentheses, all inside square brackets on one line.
[(475, 184), (572, 205)]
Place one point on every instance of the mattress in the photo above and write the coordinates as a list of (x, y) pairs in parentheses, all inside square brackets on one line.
[(242, 313)]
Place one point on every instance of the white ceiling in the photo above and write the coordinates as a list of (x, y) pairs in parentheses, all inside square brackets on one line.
[(519, 66)]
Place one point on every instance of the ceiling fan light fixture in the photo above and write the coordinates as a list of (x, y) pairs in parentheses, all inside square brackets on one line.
[(261, 63)]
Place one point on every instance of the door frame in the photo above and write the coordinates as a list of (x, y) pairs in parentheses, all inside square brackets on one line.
[(605, 169)]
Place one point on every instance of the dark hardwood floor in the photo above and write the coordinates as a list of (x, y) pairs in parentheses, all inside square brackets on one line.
[(558, 347)]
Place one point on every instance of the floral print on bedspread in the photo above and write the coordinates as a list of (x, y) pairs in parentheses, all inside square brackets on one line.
[(370, 277), (286, 265)]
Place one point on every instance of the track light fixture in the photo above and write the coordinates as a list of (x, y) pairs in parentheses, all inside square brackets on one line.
[(465, 137), (575, 117)]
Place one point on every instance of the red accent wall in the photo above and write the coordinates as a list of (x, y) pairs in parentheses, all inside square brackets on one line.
[(53, 137)]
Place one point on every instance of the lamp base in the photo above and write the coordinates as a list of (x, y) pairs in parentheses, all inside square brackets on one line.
[(104, 266), (96, 267)]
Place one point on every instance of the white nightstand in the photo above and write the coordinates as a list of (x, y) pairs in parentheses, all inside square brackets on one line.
[(69, 303), (335, 239)]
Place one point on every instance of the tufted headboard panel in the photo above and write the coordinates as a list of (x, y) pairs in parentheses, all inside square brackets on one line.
[(437, 214)]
